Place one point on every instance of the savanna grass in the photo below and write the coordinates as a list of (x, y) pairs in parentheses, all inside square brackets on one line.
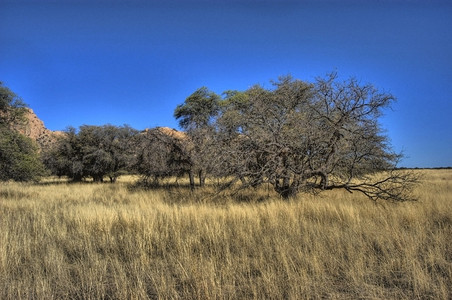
[(108, 241)]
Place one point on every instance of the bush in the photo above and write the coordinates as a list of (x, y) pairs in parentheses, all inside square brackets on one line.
[(19, 158)]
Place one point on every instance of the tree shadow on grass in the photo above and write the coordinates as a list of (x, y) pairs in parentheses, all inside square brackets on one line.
[(211, 193)]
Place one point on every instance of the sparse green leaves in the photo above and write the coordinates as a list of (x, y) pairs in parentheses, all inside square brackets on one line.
[(198, 109), (301, 136)]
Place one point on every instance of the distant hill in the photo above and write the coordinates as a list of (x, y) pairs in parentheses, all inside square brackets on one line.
[(34, 128)]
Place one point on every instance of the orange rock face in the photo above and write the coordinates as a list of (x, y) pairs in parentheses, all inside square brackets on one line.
[(34, 128)]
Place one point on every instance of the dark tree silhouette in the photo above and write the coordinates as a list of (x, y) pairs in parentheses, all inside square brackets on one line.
[(301, 136), (95, 151)]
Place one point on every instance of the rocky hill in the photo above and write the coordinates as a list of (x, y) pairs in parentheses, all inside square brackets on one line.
[(34, 128)]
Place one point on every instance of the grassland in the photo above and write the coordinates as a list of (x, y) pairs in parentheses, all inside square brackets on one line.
[(106, 241)]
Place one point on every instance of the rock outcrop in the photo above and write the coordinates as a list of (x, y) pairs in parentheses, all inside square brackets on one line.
[(34, 128)]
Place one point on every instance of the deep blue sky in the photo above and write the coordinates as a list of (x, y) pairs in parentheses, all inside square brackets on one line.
[(132, 62)]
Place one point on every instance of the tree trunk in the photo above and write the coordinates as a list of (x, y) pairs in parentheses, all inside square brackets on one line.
[(202, 178), (191, 176), (98, 178), (285, 189), (77, 178)]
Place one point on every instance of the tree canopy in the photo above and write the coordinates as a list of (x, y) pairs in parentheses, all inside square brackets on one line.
[(307, 137), (12, 107), (94, 151), (197, 115), (198, 109), (19, 158), (296, 136)]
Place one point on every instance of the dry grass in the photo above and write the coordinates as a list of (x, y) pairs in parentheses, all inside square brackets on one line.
[(91, 241)]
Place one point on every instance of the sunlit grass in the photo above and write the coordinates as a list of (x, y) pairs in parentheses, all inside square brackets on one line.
[(61, 240)]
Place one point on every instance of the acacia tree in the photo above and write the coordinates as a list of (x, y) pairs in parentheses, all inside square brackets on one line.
[(302, 136), (94, 151), (162, 152), (65, 157), (196, 116), (198, 109), (106, 150)]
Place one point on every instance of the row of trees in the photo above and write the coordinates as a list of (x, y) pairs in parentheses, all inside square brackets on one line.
[(296, 136), (111, 151), (92, 151)]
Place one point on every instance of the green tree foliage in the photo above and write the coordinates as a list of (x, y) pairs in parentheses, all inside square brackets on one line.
[(12, 107), (198, 109), (66, 157), (19, 158), (94, 151), (197, 117)]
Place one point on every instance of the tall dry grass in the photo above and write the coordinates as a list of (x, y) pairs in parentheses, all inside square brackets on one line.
[(91, 241)]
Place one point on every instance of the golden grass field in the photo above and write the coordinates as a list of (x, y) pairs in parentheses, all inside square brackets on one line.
[(107, 241)]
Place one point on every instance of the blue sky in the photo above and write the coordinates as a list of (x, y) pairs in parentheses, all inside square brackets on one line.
[(132, 62)]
